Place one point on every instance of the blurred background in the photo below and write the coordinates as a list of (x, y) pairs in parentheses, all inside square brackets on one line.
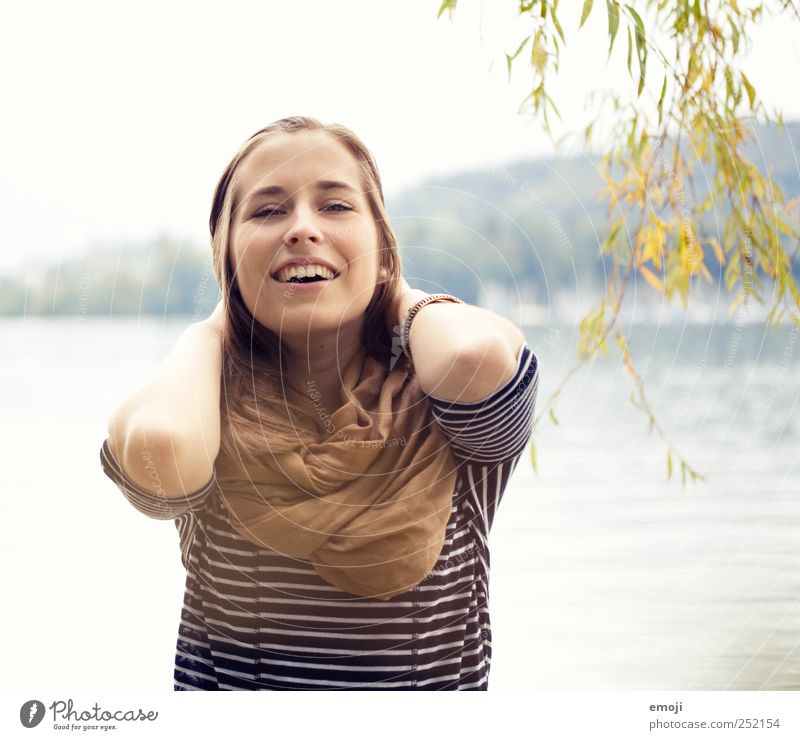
[(605, 575)]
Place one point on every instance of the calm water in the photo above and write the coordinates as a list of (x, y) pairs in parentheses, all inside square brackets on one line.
[(604, 575)]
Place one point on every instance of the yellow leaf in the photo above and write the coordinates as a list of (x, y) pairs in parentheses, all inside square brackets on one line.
[(751, 93), (720, 255), (707, 79), (735, 303), (538, 54), (587, 8), (784, 227), (758, 186), (652, 279), (448, 5), (654, 245)]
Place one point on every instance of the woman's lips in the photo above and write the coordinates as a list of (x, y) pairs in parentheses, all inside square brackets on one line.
[(292, 287)]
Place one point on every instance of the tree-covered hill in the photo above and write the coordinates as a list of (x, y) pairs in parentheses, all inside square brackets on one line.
[(530, 227)]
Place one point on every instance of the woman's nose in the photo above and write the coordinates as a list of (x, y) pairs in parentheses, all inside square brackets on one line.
[(303, 226)]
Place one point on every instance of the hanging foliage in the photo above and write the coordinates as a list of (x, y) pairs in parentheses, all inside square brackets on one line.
[(696, 119)]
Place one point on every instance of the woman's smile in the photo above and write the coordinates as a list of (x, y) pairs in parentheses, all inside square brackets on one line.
[(305, 275), (296, 285)]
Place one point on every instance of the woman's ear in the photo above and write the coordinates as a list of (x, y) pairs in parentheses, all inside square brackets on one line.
[(383, 274)]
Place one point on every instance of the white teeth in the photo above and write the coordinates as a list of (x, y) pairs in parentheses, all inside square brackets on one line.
[(287, 273)]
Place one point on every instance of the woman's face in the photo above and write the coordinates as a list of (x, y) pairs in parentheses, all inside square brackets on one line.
[(300, 198)]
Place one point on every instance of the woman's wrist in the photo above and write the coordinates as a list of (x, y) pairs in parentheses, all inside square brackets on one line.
[(406, 297), (406, 304)]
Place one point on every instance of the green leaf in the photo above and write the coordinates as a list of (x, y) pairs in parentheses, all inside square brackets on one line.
[(613, 22), (533, 457), (669, 465), (555, 56), (553, 417), (636, 18), (641, 46), (449, 5), (751, 93), (557, 24), (587, 8), (729, 91), (630, 49), (681, 20), (734, 36), (512, 57), (661, 99), (550, 100), (641, 78), (539, 55)]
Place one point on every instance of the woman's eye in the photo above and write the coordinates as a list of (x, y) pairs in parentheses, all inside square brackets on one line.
[(266, 212)]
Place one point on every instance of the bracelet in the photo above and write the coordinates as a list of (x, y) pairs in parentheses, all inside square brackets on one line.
[(405, 331)]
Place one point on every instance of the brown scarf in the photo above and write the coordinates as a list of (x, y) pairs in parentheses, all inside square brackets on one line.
[(368, 502)]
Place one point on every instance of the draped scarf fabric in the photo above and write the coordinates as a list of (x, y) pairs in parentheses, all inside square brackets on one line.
[(368, 501)]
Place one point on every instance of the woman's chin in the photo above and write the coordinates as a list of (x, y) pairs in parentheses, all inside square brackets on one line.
[(300, 323)]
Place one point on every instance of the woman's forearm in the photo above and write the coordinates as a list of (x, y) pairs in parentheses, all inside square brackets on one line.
[(461, 352), (166, 436)]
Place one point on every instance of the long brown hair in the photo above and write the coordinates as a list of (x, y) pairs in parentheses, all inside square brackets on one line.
[(254, 399)]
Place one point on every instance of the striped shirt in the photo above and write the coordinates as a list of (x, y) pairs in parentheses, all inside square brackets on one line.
[(254, 619)]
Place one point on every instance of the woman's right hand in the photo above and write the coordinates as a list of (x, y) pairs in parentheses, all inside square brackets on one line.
[(216, 321)]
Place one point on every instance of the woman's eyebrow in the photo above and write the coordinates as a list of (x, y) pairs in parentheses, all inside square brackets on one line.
[(320, 185)]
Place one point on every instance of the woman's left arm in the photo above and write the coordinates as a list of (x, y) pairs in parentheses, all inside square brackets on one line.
[(461, 352)]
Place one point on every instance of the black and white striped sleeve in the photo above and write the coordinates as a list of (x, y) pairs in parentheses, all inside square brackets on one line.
[(152, 504), (498, 427)]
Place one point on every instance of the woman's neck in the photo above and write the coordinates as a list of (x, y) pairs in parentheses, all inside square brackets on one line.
[(318, 362)]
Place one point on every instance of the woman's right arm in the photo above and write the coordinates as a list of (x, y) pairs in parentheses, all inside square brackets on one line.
[(166, 436)]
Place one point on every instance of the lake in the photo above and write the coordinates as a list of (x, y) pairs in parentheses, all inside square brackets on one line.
[(604, 574)]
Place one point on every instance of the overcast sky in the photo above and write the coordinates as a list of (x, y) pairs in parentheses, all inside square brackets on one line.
[(120, 117)]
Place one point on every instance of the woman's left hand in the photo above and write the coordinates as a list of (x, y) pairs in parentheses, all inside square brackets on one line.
[(406, 297)]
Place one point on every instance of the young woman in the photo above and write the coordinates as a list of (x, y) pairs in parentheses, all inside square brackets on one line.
[(331, 444)]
